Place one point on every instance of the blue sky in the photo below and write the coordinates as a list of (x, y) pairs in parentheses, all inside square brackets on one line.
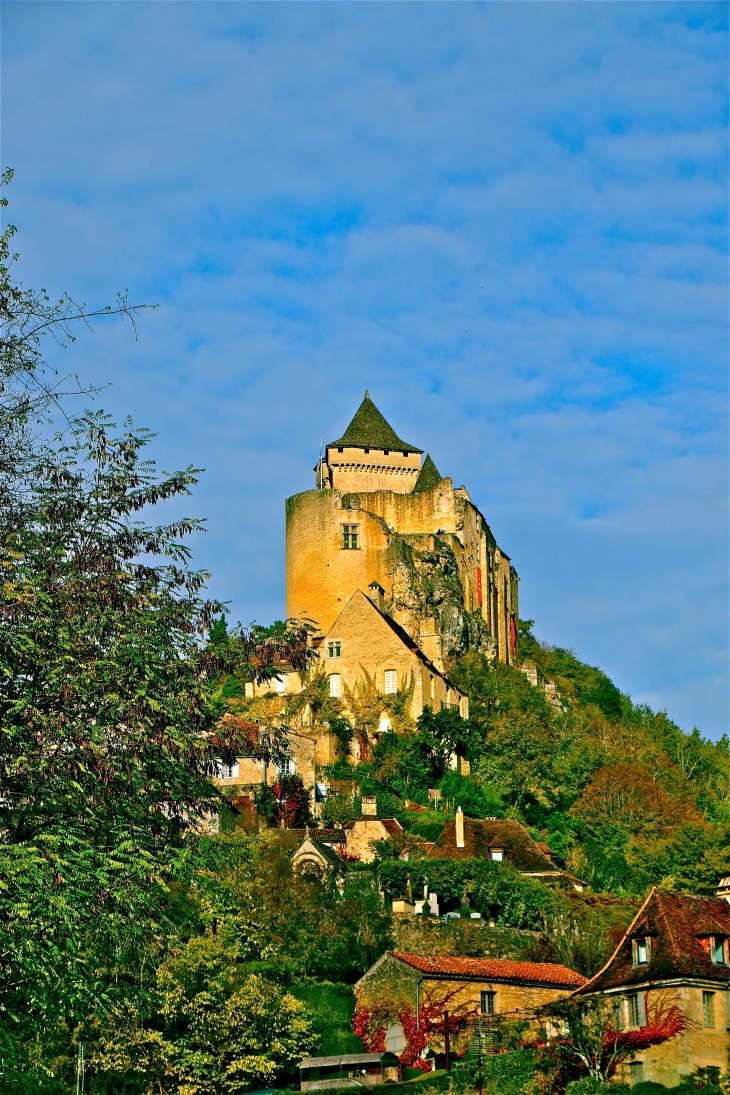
[(509, 219)]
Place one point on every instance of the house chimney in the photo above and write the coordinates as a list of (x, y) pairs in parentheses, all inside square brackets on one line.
[(459, 828), (377, 594), (723, 888), (369, 806)]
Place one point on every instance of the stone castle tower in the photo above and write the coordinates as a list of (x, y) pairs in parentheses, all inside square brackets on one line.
[(382, 521)]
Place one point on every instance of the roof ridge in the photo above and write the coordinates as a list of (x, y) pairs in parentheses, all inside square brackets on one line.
[(675, 948), (620, 942)]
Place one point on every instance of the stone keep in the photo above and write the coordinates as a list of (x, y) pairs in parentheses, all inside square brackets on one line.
[(383, 521)]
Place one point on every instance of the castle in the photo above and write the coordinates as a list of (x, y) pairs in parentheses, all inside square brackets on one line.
[(400, 573)]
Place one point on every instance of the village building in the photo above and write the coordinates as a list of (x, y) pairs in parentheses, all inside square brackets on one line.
[(317, 857), (675, 951), (469, 988), (241, 778), (381, 519), (364, 831), (503, 840)]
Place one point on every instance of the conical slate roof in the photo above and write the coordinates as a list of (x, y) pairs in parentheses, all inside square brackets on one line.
[(369, 430), (428, 476)]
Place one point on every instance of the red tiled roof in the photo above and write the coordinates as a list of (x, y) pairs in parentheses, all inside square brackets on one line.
[(492, 969), (676, 924)]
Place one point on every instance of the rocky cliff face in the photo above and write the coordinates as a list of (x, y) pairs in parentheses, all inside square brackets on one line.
[(427, 594)]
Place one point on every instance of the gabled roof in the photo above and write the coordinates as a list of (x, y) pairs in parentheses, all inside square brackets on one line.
[(428, 477), (369, 430), (675, 923), (480, 835), (407, 640), (491, 969), (324, 850)]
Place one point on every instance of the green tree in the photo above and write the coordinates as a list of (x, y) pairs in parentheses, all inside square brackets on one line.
[(210, 1028)]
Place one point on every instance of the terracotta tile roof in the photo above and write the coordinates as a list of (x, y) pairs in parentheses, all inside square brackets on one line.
[(492, 969), (480, 835), (676, 924)]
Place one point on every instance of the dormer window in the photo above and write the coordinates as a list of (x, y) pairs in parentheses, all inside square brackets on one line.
[(641, 951), (718, 953), (497, 854)]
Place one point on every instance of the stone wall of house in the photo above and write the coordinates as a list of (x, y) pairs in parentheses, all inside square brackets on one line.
[(698, 1047), (361, 836)]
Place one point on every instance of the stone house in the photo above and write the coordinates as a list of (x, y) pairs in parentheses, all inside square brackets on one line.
[(242, 778), (674, 951), (467, 987), (362, 832), (502, 840)]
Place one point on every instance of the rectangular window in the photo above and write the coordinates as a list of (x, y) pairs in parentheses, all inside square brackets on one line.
[(334, 650), (497, 854), (717, 950), (228, 771), (641, 951), (432, 686), (633, 1002), (636, 1070), (349, 537), (489, 1003), (288, 767), (335, 684), (391, 682), (708, 1009), (280, 684)]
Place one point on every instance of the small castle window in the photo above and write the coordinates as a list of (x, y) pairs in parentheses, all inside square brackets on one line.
[(334, 650), (497, 854), (432, 684), (641, 949), (489, 1003), (349, 537), (367, 450), (386, 452), (335, 684), (340, 450), (390, 682), (405, 454), (708, 1009)]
